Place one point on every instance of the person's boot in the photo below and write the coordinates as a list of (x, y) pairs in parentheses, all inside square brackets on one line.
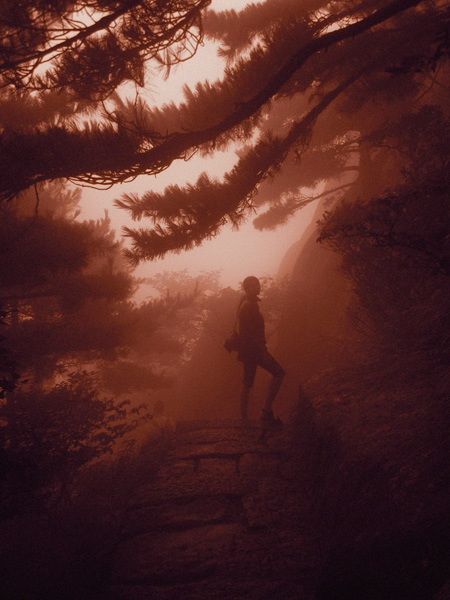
[(269, 420), (245, 393)]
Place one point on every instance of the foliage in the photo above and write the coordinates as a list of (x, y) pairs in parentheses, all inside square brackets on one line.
[(68, 550), (92, 47), (331, 69), (311, 133), (28, 249), (47, 436), (125, 376), (377, 436), (65, 284), (378, 427), (45, 251), (180, 283), (396, 249)]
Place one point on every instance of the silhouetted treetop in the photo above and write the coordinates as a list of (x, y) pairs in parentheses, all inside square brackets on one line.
[(337, 70)]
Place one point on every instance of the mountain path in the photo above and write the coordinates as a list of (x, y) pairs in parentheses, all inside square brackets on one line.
[(223, 519)]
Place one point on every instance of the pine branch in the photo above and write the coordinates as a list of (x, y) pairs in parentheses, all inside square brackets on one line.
[(280, 212), (159, 158), (159, 26), (196, 213), (102, 23), (118, 164)]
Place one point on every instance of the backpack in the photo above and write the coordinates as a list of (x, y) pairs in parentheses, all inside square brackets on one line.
[(233, 341)]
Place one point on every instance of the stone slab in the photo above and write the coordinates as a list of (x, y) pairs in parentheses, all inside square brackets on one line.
[(173, 557), (193, 512)]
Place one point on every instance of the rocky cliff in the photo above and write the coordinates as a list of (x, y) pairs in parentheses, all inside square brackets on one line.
[(315, 327)]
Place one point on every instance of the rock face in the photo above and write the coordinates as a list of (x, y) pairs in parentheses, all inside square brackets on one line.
[(223, 519), (315, 327)]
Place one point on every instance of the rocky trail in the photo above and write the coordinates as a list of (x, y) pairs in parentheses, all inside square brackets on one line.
[(223, 519)]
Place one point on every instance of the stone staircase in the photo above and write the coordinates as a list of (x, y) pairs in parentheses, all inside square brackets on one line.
[(224, 519)]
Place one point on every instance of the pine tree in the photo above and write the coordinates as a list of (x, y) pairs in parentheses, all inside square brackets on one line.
[(304, 88)]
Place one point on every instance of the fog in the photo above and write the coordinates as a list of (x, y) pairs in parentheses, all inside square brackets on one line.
[(169, 427), (236, 253)]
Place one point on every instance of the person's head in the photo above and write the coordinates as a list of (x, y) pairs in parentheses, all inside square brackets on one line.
[(251, 286)]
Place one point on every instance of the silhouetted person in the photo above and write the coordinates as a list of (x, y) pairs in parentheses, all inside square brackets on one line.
[(253, 352)]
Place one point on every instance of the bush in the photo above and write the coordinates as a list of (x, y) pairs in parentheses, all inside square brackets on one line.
[(46, 437), (67, 552), (373, 457)]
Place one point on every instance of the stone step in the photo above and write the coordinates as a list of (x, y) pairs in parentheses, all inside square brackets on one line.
[(220, 520)]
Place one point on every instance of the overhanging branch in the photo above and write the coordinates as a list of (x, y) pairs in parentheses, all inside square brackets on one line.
[(120, 164), (197, 213)]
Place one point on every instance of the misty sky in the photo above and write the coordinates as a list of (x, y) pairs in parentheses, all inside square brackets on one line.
[(236, 253)]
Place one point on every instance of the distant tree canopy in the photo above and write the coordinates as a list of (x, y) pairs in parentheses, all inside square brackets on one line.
[(306, 86)]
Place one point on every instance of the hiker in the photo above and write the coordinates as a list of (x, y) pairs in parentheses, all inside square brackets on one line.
[(253, 352)]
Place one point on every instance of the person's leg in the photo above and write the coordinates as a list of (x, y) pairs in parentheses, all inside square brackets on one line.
[(247, 384), (276, 370), (274, 386), (245, 393)]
